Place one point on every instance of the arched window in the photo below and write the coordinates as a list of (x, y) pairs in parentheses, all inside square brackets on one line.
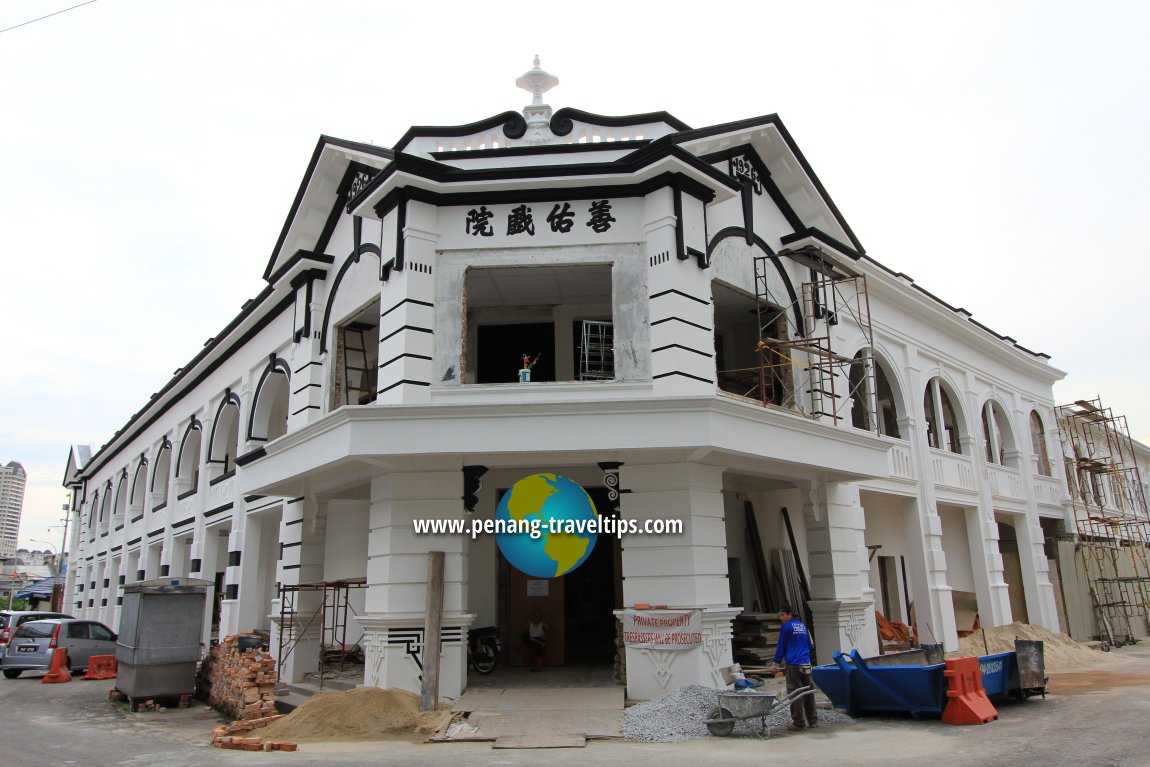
[(942, 424), (223, 446), (269, 415), (884, 412), (1038, 443), (997, 435)]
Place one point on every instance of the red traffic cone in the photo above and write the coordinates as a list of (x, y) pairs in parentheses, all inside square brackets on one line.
[(59, 670)]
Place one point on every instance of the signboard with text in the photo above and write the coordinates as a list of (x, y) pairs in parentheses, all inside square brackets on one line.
[(663, 629)]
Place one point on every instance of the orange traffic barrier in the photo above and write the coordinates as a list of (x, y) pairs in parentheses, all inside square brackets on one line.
[(101, 667), (58, 672), (967, 702)]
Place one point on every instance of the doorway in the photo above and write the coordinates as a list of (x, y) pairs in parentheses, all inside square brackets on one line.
[(578, 607)]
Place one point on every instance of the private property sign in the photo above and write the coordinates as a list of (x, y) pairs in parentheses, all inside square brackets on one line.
[(663, 629)]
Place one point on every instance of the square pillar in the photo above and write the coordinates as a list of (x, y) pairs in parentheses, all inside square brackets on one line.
[(396, 601), (986, 564), (1040, 605), (680, 570), (295, 622), (842, 614)]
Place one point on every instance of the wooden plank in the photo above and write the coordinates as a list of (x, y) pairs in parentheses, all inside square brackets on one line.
[(540, 741), (432, 638), (758, 558)]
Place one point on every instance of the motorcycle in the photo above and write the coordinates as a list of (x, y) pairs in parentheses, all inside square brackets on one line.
[(483, 648)]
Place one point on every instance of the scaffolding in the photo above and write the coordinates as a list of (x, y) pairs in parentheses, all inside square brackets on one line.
[(1111, 517), (596, 351), (332, 612), (796, 333)]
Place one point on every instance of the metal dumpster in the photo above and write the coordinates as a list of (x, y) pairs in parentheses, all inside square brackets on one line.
[(159, 645), (854, 685), (865, 686)]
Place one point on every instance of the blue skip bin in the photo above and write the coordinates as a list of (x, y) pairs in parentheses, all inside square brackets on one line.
[(862, 687)]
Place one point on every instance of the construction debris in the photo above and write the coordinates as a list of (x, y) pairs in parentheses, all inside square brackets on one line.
[(754, 638), (365, 713), (237, 736), (680, 715), (1060, 652), (237, 681)]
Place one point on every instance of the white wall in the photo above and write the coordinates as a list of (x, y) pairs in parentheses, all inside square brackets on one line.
[(345, 549), (956, 545)]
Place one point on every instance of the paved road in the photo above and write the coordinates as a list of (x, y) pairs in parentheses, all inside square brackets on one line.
[(1097, 718)]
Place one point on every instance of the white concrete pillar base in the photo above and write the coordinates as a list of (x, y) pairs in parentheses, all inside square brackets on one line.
[(654, 673), (393, 653), (843, 625), (301, 643)]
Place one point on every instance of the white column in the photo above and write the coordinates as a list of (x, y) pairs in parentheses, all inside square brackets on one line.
[(1041, 608), (687, 570), (986, 563), (681, 312), (396, 600), (933, 603), (843, 616), (407, 321), (302, 536)]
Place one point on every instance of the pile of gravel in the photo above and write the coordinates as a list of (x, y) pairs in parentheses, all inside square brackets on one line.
[(680, 715)]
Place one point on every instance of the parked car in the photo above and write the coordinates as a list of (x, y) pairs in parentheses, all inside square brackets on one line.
[(33, 644), (10, 620)]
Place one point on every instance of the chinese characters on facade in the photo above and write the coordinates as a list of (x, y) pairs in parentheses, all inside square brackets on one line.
[(520, 219)]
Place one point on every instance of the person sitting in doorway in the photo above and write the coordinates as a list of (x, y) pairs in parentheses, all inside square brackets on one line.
[(535, 641)]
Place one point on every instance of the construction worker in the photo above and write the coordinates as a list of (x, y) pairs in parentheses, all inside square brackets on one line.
[(794, 649)]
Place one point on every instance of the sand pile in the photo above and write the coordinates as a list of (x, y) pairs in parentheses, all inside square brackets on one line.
[(365, 713), (1060, 652)]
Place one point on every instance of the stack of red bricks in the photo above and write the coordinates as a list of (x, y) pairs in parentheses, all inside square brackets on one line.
[(238, 736), (240, 684)]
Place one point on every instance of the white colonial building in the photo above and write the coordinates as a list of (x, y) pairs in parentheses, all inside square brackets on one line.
[(711, 343)]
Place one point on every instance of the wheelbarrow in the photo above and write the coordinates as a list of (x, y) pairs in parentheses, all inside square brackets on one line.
[(740, 706)]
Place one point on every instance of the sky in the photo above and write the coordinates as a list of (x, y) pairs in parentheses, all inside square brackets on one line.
[(996, 152)]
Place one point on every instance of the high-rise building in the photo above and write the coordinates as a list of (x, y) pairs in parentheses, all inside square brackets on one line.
[(12, 481)]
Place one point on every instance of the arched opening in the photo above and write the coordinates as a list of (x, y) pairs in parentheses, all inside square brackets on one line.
[(160, 475), (120, 507), (223, 446), (188, 461), (998, 438), (93, 519), (106, 508), (139, 486), (1038, 443), (270, 406), (885, 413), (942, 424)]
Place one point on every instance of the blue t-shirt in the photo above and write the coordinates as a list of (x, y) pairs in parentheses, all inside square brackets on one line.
[(794, 644)]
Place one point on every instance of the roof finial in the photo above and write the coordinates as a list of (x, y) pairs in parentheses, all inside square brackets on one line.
[(537, 82), (537, 114)]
